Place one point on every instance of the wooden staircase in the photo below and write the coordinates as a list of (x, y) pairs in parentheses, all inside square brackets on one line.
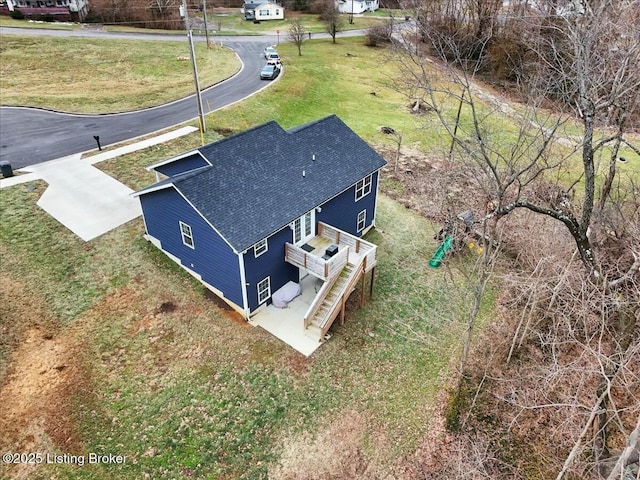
[(330, 300)]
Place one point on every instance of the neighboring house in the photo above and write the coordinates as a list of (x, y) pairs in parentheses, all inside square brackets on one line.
[(262, 11), (357, 6), (262, 209), (61, 10)]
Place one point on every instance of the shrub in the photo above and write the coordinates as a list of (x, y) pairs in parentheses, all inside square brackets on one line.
[(379, 34), (16, 14)]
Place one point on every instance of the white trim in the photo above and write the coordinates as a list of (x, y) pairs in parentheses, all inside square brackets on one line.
[(155, 187), (173, 159), (375, 205), (154, 241), (243, 286), (266, 248), (268, 280), (205, 219), (364, 221), (188, 235), (304, 237), (364, 186)]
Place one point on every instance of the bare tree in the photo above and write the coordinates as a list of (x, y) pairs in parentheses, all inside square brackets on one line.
[(575, 331), (297, 33), (332, 19), (599, 88)]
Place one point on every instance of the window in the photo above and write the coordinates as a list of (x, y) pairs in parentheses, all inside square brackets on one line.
[(362, 220), (277, 11), (297, 231), (304, 227), (260, 247), (263, 13), (307, 224), (363, 187), (264, 290), (187, 236)]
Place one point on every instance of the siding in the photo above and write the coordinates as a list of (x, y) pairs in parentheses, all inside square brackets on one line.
[(211, 258), (271, 264), (183, 165), (342, 211)]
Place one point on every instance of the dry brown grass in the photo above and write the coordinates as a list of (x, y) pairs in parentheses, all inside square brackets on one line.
[(335, 450), (94, 76)]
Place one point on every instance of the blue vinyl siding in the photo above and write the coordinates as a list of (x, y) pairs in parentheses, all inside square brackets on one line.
[(211, 257), (271, 263), (342, 211), (183, 165)]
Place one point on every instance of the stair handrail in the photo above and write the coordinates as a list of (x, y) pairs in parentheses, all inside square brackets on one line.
[(348, 286), (317, 301)]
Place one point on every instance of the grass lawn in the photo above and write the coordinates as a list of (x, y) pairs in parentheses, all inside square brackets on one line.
[(113, 76), (150, 367), (232, 22), (6, 21), (179, 386)]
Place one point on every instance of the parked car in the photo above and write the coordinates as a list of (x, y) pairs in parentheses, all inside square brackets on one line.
[(268, 51), (273, 58), (269, 71)]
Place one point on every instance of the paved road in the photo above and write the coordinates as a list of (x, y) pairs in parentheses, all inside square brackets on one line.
[(29, 136)]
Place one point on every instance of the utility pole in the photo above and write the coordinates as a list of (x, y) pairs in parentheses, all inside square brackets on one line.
[(184, 14), (204, 13)]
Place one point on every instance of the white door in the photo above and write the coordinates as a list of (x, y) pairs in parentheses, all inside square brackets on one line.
[(304, 228)]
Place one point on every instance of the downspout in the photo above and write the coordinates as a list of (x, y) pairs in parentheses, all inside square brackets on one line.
[(243, 282), (375, 204)]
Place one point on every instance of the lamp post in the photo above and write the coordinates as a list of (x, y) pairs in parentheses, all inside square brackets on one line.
[(184, 14)]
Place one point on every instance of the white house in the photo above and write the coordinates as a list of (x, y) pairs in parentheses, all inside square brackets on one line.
[(263, 11), (64, 10), (357, 6)]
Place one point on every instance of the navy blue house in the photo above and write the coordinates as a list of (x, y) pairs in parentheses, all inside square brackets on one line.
[(239, 214)]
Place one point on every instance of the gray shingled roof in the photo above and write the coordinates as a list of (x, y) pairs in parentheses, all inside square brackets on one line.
[(255, 185)]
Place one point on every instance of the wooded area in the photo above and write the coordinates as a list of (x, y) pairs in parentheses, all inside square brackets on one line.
[(554, 391)]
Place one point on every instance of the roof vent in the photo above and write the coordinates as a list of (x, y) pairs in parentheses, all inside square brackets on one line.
[(304, 173), (313, 157)]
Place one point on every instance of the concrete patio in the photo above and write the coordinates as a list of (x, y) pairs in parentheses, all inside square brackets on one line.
[(287, 323)]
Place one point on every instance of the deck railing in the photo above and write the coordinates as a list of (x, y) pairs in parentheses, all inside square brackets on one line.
[(317, 301), (317, 266), (341, 297), (357, 245)]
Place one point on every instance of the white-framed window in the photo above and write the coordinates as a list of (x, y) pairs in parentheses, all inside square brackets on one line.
[(363, 187), (187, 235), (297, 230), (264, 290), (304, 227), (362, 220), (261, 247), (264, 13), (307, 224)]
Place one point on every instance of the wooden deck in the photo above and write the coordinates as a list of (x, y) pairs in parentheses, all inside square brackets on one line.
[(339, 273)]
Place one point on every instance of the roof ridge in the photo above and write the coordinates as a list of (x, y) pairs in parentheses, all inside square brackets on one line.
[(312, 123), (238, 135)]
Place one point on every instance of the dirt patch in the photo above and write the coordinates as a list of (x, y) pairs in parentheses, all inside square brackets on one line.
[(36, 394), (335, 452), (19, 310), (225, 308), (431, 184)]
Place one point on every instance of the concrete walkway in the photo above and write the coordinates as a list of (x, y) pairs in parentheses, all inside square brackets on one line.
[(84, 199)]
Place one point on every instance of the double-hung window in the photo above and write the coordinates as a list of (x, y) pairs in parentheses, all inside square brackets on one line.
[(261, 247), (264, 290), (362, 220), (363, 187), (187, 235)]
